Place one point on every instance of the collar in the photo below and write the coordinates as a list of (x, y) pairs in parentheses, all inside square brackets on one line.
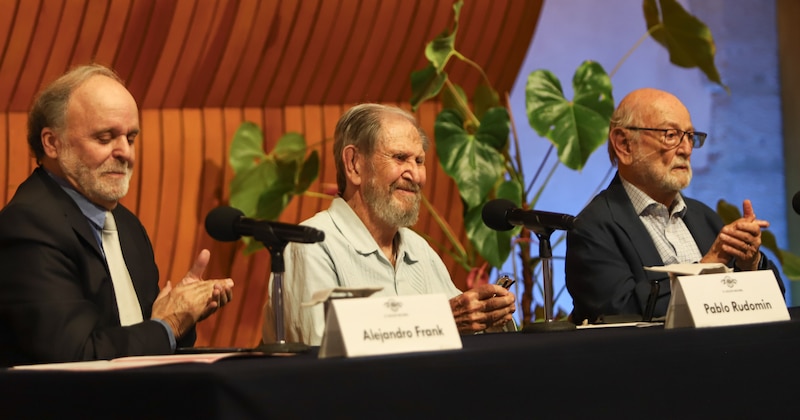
[(95, 214), (642, 202), (347, 221)]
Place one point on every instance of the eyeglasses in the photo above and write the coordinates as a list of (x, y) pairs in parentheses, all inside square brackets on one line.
[(673, 136)]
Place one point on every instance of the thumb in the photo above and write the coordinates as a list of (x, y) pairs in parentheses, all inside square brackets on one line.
[(165, 290), (747, 210), (199, 266)]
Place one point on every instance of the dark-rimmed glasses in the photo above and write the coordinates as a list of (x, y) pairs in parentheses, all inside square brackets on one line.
[(673, 136)]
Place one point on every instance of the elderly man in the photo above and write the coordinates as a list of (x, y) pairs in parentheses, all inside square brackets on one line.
[(642, 219), (79, 278), (379, 154)]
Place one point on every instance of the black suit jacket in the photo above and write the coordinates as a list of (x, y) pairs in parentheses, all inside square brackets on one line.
[(609, 248), (56, 297)]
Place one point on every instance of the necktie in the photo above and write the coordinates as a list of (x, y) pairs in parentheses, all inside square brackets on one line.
[(127, 303)]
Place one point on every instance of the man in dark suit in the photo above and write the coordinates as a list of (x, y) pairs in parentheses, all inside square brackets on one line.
[(58, 301), (642, 219)]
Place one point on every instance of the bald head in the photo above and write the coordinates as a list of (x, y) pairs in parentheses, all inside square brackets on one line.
[(646, 107)]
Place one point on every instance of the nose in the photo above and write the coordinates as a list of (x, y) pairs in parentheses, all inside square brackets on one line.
[(122, 149), (685, 146), (415, 172)]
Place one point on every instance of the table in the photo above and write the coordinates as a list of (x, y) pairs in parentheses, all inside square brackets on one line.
[(627, 372)]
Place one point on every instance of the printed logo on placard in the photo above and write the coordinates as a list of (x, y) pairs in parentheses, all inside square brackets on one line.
[(728, 281), (393, 305)]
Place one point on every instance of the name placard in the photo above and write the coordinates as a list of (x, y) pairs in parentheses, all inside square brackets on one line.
[(387, 325), (735, 298)]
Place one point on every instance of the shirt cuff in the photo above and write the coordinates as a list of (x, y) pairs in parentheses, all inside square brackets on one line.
[(170, 334)]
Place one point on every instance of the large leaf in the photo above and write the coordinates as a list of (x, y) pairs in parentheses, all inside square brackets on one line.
[(576, 128), (687, 39), (263, 184), (290, 147), (247, 147), (494, 246), (428, 82), (472, 161), (425, 84)]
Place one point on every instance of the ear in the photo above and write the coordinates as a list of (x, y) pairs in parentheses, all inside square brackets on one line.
[(353, 164), (622, 144), (50, 142)]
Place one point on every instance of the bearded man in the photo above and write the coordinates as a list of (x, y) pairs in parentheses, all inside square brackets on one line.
[(379, 154), (69, 292), (642, 219)]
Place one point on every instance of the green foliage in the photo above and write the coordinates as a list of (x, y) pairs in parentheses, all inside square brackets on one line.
[(687, 39), (790, 263), (578, 127), (264, 183), (472, 136)]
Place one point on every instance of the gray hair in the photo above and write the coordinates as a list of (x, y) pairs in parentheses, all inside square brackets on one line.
[(50, 107), (361, 126), (623, 116)]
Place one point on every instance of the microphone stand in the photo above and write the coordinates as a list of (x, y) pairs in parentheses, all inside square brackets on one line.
[(276, 245), (546, 255)]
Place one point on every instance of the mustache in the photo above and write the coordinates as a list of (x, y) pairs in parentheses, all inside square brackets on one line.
[(408, 186)]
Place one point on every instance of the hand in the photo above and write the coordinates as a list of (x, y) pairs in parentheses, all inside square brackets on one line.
[(482, 307), (221, 295), (740, 239), (193, 299)]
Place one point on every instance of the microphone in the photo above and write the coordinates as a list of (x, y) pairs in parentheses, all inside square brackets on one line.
[(502, 214), (796, 202), (228, 224)]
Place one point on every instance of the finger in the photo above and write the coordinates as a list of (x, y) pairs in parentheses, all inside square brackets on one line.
[(747, 210), (199, 266)]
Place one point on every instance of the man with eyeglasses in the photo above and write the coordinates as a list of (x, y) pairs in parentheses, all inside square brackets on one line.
[(641, 219)]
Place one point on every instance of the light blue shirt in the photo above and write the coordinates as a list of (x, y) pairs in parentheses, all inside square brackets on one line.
[(350, 257)]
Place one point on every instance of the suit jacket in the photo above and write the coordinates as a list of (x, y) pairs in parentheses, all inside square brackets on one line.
[(56, 297), (609, 248)]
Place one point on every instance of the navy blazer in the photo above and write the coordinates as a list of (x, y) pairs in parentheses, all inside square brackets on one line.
[(56, 297), (609, 248)]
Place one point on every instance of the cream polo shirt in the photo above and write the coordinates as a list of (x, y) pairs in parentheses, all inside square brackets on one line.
[(350, 257)]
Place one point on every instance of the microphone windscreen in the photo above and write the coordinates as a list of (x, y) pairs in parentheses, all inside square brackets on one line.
[(494, 214), (221, 223), (796, 202)]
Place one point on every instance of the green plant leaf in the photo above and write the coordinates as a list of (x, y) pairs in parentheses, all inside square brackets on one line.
[(687, 39), (248, 185), (290, 147), (485, 98), (727, 212), (494, 246), (247, 147), (576, 128), (790, 265), (510, 190), (472, 161), (425, 84), (441, 48), (453, 99), (308, 173)]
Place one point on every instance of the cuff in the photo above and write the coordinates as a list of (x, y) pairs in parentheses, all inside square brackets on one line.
[(170, 334)]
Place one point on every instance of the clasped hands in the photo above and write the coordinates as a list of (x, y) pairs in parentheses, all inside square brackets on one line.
[(741, 239), (479, 308), (192, 299)]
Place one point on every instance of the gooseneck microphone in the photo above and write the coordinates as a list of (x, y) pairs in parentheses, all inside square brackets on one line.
[(228, 224), (502, 214), (796, 202)]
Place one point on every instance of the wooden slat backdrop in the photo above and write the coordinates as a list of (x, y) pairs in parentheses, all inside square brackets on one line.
[(198, 68)]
